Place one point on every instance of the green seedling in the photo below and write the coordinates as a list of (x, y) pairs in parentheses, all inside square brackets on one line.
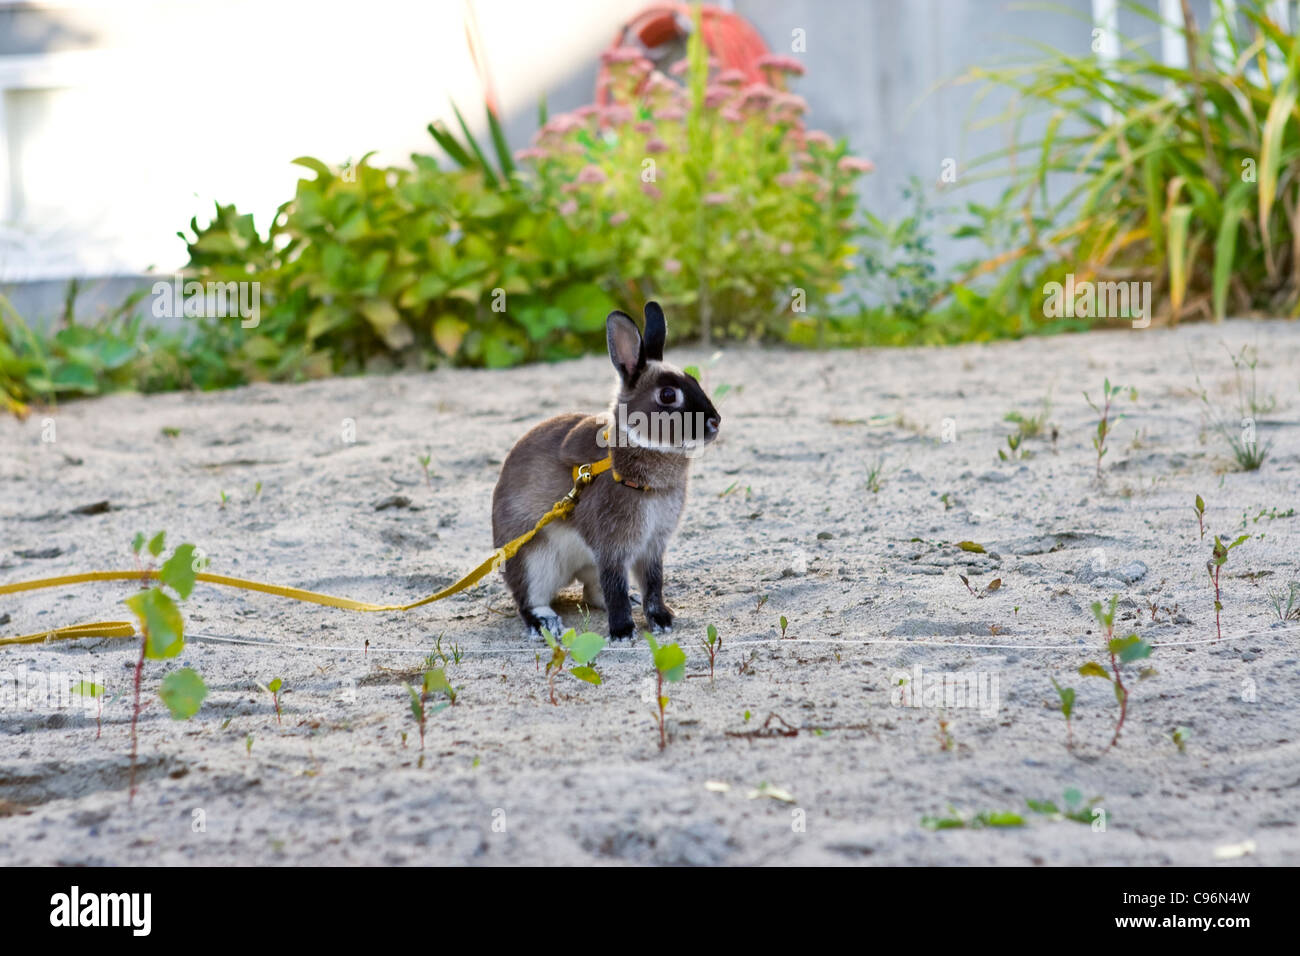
[(875, 474), (1074, 807), (1218, 558), (1122, 650), (1199, 508), (248, 745), (434, 683), (761, 601), (1237, 426), (1013, 450), (581, 649), (273, 688), (1286, 601), (669, 662), (1104, 425), (712, 644), (171, 431), (162, 632), (978, 821), (1180, 737), (1031, 426), (1067, 710), (425, 460), (257, 490), (85, 688), (225, 499), (784, 624)]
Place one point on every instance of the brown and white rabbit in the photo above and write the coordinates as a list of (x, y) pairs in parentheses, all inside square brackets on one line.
[(625, 516)]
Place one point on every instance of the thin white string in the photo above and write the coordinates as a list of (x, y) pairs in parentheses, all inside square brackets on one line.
[(534, 648)]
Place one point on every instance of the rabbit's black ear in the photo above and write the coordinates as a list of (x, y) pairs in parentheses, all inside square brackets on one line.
[(656, 330), (626, 350)]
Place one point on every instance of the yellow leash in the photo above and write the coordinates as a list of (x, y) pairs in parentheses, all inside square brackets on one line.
[(583, 475)]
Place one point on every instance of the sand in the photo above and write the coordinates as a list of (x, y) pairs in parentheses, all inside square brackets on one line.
[(780, 523)]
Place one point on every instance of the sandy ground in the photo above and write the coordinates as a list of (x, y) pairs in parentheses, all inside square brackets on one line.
[(780, 522)]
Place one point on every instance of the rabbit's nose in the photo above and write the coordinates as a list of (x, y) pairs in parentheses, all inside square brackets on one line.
[(711, 426)]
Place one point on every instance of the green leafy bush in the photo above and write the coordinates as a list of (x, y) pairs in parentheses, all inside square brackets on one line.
[(712, 197), (1181, 176)]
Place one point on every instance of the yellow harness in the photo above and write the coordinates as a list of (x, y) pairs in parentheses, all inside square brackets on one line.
[(583, 475)]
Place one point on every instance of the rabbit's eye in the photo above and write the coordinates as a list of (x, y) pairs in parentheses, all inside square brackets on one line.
[(669, 396)]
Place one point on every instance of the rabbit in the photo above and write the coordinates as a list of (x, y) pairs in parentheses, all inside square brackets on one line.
[(660, 418)]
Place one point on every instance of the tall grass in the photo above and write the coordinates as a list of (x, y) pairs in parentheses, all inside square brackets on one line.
[(1185, 177)]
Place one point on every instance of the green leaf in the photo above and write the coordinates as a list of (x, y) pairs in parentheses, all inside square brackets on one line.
[(1093, 669), (161, 621), (586, 646), (488, 172), (1067, 698), (1130, 648), (1042, 806), (178, 571), (1270, 157), (183, 692), (315, 165), (712, 633), (275, 685), (448, 334), (1073, 797), (587, 674), (137, 542), (1003, 818), (417, 705), (1225, 248), (435, 681), (942, 823), (506, 161), (971, 546), (156, 543), (670, 661), (1178, 251), (74, 377)]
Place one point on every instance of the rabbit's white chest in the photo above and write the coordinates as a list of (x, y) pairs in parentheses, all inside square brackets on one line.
[(659, 515)]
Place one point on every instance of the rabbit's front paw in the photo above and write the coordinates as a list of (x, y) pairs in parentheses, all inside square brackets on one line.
[(621, 630), (661, 619)]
